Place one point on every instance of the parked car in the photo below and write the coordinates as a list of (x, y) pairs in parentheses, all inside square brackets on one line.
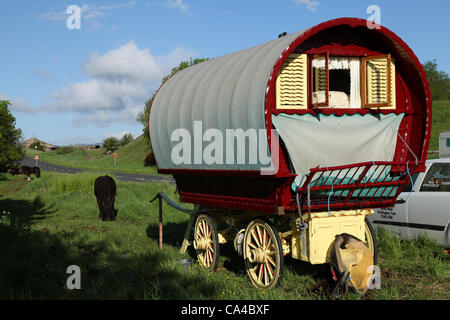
[(421, 208)]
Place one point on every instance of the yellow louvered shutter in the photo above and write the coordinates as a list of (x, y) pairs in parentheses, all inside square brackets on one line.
[(292, 83), (378, 88)]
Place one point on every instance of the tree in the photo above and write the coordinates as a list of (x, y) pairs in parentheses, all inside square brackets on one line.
[(126, 139), (37, 146), (111, 144), (439, 81), (143, 115), (11, 149)]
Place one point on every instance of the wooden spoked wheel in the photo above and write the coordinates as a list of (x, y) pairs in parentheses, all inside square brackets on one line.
[(370, 239), (263, 254), (206, 242)]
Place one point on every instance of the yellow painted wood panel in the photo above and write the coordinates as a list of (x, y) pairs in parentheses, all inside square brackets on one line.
[(292, 83), (377, 82)]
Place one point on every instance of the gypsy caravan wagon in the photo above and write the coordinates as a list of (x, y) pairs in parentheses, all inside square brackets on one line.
[(285, 145)]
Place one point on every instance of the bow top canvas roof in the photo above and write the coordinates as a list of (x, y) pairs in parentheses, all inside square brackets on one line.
[(224, 93)]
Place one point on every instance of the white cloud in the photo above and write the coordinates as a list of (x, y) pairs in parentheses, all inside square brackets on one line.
[(121, 81), (177, 4), (173, 59), (95, 94), (127, 62), (19, 105), (311, 5)]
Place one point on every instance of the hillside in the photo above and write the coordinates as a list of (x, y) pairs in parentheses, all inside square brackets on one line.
[(441, 121), (47, 146), (131, 158)]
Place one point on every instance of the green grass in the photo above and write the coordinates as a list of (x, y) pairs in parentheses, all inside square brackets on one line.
[(52, 222), (131, 158), (440, 122)]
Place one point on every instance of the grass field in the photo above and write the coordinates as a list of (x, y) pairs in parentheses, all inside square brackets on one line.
[(131, 158), (441, 121), (52, 222)]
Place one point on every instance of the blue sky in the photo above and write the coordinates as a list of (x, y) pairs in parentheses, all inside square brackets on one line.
[(81, 86)]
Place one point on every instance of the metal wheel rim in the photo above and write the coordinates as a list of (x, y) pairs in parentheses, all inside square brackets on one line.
[(205, 242), (262, 255)]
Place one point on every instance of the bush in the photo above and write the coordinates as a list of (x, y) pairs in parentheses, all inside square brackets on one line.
[(64, 150), (126, 139), (37, 146), (111, 144), (149, 160)]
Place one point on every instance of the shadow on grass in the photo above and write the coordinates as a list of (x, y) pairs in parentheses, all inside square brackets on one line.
[(34, 263), (173, 233)]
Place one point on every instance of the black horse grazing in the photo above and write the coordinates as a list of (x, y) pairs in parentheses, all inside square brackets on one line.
[(105, 192), (26, 171), (14, 171), (30, 170)]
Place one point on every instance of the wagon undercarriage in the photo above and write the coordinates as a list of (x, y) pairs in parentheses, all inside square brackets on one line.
[(263, 240)]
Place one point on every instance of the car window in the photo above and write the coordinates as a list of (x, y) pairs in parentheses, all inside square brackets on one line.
[(437, 178), (408, 187)]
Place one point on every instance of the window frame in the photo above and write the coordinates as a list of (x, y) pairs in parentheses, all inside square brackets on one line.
[(326, 55)]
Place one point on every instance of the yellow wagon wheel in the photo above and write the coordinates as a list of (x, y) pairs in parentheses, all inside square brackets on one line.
[(370, 239), (263, 254), (206, 242)]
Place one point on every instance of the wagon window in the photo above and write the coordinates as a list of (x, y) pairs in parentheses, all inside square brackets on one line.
[(378, 81), (336, 81)]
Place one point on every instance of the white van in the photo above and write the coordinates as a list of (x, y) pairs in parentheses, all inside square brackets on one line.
[(424, 208)]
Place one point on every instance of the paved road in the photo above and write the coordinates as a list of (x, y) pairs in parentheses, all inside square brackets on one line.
[(45, 166)]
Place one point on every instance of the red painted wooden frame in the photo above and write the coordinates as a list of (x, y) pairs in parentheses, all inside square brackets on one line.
[(270, 101), (359, 185)]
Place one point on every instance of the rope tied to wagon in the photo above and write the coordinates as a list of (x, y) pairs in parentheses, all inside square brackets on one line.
[(411, 181)]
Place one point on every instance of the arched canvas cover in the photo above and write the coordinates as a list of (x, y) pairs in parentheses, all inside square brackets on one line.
[(224, 93)]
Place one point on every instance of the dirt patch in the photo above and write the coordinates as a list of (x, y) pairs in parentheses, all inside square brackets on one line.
[(88, 155), (86, 249), (14, 186)]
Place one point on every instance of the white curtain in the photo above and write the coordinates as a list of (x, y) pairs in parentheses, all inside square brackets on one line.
[(333, 63), (355, 83), (352, 64)]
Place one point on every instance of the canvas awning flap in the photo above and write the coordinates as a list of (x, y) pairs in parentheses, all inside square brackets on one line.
[(329, 140)]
